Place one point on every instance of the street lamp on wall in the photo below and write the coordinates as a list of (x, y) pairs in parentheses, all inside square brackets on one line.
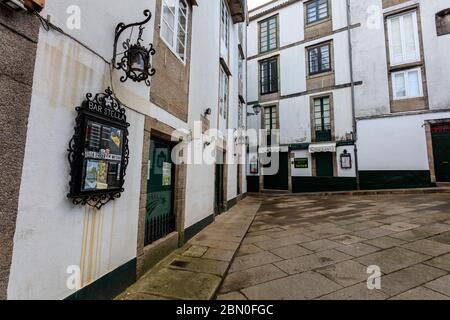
[(256, 110), (136, 59)]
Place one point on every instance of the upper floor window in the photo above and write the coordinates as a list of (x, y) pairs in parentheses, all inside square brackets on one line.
[(268, 34), (223, 93), (403, 38), (269, 76), (225, 24), (407, 84), (316, 10), (443, 22), (319, 59), (322, 119), (270, 122), (241, 115), (174, 26)]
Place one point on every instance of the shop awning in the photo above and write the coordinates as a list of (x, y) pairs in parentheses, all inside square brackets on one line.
[(322, 147), (276, 149)]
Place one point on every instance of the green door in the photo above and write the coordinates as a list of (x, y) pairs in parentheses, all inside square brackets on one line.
[(280, 180), (324, 164), (441, 150), (160, 220), (218, 194)]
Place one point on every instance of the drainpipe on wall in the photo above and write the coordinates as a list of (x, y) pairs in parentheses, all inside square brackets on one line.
[(355, 127)]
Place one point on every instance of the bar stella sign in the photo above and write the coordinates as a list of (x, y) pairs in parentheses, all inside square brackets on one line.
[(98, 151)]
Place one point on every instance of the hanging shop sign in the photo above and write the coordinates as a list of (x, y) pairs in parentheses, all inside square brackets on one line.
[(301, 163), (98, 151)]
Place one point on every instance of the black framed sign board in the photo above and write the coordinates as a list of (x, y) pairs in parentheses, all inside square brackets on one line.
[(98, 150), (301, 163)]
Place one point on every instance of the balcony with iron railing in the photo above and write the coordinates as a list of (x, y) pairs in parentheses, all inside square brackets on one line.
[(323, 133)]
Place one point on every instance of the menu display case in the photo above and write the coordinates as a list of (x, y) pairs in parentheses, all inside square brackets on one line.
[(98, 151)]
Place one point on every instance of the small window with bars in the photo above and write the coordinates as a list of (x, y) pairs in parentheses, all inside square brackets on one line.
[(269, 76), (316, 10), (319, 59), (268, 34)]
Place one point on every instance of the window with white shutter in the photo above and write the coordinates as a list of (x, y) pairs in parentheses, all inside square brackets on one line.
[(403, 38), (407, 84)]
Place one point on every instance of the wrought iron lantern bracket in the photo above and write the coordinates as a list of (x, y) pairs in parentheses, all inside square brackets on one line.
[(135, 61)]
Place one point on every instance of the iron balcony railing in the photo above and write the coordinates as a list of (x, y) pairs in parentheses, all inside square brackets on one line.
[(323, 133)]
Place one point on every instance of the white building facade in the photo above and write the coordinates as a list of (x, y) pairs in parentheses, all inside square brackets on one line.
[(356, 89), (63, 250)]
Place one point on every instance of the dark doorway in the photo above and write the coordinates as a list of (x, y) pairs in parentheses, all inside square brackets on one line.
[(218, 189), (441, 151), (324, 164), (279, 181), (160, 218)]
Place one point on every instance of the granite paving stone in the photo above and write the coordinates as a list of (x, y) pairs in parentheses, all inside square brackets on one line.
[(308, 285), (441, 285)]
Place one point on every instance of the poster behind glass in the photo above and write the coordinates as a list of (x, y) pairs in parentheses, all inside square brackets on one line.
[(103, 150)]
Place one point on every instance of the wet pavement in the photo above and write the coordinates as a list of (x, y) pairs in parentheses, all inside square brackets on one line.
[(320, 247)]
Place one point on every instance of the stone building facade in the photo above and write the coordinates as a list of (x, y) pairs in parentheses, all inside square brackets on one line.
[(51, 60), (381, 67)]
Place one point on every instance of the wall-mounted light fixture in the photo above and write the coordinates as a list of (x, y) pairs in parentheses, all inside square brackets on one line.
[(256, 110), (207, 112), (136, 59)]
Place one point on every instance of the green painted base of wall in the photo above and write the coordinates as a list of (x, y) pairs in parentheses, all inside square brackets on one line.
[(231, 203), (395, 179), (196, 228), (110, 285), (322, 184)]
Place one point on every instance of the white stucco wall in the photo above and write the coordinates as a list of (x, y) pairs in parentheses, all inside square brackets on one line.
[(370, 63), (203, 94), (394, 143), (52, 233)]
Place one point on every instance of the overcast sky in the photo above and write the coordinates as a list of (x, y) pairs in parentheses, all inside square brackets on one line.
[(254, 3)]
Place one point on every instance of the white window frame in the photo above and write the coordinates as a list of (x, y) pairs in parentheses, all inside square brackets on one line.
[(173, 47), (416, 38), (405, 75), (225, 25)]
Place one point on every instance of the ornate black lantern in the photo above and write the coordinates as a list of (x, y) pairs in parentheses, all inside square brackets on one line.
[(136, 59)]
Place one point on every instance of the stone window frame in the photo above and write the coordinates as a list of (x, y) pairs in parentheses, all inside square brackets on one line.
[(405, 72), (416, 36), (277, 45), (411, 104), (318, 21), (443, 14), (175, 36), (312, 98), (260, 62), (276, 106), (328, 43)]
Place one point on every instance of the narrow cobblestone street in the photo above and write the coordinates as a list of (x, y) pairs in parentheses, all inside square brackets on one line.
[(313, 247), (316, 247)]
